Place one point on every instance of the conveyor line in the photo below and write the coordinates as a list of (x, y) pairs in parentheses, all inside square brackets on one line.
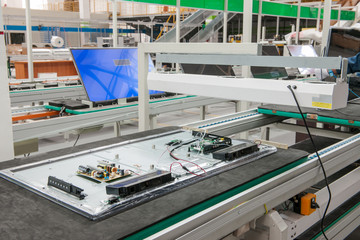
[(43, 128), (235, 123), (346, 116)]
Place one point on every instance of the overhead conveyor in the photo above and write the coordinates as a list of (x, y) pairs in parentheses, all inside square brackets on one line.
[(189, 24)]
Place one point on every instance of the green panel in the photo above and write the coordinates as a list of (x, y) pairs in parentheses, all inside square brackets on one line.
[(211, 202), (269, 8), (216, 5), (256, 6), (281, 113), (347, 15), (308, 12), (206, 4), (285, 10), (334, 14), (338, 121), (236, 5), (319, 118), (193, 4), (162, 2)]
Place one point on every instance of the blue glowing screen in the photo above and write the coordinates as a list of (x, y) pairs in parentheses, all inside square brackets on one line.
[(110, 73)]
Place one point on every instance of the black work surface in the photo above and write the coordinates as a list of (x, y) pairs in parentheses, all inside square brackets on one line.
[(350, 112), (25, 215)]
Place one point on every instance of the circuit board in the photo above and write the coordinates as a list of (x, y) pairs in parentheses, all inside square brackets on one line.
[(103, 172), (209, 143)]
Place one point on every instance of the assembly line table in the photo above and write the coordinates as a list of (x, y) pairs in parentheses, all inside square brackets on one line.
[(25, 215)]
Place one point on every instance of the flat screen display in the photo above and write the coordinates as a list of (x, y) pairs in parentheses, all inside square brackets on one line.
[(269, 72), (208, 69), (303, 51), (343, 42), (109, 73)]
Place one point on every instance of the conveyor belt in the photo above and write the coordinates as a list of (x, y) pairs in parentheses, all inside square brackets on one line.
[(24, 214), (85, 111), (349, 116)]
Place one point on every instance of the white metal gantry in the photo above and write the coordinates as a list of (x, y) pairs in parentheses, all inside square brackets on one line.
[(6, 145)]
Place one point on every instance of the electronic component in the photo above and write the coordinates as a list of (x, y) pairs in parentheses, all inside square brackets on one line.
[(112, 200), (104, 172), (174, 142), (66, 187), (236, 151), (305, 203), (139, 183), (209, 143)]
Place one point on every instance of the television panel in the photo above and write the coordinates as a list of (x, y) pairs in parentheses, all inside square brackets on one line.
[(208, 69), (343, 42), (109, 73), (269, 72)]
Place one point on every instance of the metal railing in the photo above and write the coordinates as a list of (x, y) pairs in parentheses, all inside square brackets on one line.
[(126, 9)]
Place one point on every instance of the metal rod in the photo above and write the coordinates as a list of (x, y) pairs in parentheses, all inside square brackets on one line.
[(177, 37), (225, 21), (318, 17), (6, 146), (298, 22), (259, 22), (339, 14), (144, 112), (263, 33), (29, 41), (177, 21), (326, 24), (115, 29)]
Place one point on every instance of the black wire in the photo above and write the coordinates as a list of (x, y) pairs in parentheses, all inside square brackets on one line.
[(321, 164), (77, 139), (62, 110)]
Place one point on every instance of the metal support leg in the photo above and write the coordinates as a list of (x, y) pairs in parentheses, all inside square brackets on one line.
[(298, 22), (153, 122), (263, 34), (177, 27), (67, 136), (267, 133), (225, 21), (29, 41), (326, 24), (259, 22), (7, 142), (117, 129), (115, 29), (84, 6), (247, 34), (143, 63), (202, 112), (318, 17)]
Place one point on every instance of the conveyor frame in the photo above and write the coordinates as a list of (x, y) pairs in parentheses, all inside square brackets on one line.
[(217, 221)]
